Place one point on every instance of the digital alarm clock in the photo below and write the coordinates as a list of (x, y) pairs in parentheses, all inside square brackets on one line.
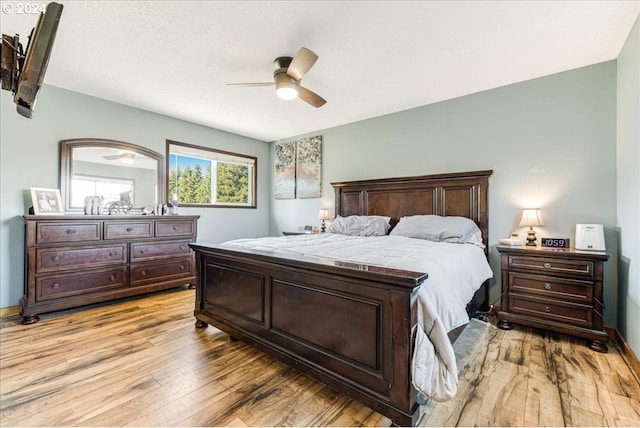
[(555, 242)]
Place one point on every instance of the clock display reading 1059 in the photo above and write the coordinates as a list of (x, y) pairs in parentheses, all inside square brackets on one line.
[(555, 242)]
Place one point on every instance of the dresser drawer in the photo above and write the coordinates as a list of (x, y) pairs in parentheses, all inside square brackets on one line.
[(145, 273), (47, 233), (549, 265), (128, 230), (578, 291), (175, 228), (60, 286), (551, 310), (149, 250), (52, 259)]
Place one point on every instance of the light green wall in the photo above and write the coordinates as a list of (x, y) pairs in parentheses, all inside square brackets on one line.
[(551, 143), (29, 157), (628, 162)]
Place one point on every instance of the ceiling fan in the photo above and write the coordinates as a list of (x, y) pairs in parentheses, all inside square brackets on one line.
[(125, 157), (287, 76)]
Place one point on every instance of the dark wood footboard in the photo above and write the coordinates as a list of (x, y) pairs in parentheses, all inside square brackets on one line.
[(347, 325)]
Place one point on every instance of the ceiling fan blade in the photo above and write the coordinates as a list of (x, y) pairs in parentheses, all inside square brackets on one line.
[(311, 97), (301, 63), (252, 84)]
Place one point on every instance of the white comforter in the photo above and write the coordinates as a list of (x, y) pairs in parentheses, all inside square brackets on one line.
[(455, 272)]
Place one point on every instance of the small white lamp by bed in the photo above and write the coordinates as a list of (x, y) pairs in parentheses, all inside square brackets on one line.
[(531, 217), (323, 215)]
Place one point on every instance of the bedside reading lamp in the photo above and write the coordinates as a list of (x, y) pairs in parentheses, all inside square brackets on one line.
[(323, 215), (531, 217)]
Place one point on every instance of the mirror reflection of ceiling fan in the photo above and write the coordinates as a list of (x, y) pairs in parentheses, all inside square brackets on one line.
[(124, 157), (287, 76)]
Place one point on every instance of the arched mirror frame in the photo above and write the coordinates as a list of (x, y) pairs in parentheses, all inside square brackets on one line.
[(66, 165)]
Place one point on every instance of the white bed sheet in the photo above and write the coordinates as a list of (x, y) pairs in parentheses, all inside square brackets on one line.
[(455, 272)]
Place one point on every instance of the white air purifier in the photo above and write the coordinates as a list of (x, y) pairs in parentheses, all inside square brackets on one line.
[(590, 237)]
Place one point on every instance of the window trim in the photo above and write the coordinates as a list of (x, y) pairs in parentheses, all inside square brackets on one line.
[(250, 160)]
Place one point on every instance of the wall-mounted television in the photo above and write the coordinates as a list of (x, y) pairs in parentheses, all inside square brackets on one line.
[(26, 73)]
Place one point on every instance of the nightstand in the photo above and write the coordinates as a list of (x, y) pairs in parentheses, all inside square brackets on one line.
[(557, 289)]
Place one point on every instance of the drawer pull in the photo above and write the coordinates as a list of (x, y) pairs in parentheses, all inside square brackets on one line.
[(55, 285), (181, 267), (174, 228), (55, 258), (547, 286), (182, 247), (111, 254), (112, 277), (129, 229), (547, 265), (141, 250), (547, 308), (71, 231), (143, 273)]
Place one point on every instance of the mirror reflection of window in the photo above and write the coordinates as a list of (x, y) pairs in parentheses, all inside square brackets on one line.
[(109, 188)]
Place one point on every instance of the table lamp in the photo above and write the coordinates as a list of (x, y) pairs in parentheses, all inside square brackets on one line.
[(323, 215), (531, 217)]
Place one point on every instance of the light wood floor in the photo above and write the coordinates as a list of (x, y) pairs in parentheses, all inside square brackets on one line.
[(141, 362)]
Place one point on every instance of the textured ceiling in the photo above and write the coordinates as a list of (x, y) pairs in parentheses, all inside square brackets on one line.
[(375, 57)]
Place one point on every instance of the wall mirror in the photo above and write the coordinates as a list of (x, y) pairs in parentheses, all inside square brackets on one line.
[(124, 177)]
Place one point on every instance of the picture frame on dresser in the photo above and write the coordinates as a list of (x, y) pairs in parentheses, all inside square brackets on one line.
[(46, 201)]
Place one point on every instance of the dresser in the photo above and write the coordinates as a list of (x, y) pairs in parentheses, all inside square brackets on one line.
[(72, 261), (556, 289)]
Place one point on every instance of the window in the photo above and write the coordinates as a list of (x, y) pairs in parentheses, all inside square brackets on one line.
[(111, 189), (199, 176)]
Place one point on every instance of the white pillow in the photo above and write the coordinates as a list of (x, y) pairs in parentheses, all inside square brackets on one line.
[(363, 225), (437, 228)]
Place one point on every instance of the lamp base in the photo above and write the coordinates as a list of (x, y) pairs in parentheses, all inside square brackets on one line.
[(531, 238)]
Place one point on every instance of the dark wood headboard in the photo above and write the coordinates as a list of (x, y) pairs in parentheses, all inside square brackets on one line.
[(463, 194)]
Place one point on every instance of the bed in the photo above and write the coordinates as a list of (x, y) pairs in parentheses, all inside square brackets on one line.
[(348, 323)]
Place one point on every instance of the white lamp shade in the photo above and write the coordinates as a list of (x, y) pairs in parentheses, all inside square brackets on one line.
[(531, 217), (324, 214)]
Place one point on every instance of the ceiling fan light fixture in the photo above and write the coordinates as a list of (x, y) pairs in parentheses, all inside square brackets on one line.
[(286, 90), (127, 158)]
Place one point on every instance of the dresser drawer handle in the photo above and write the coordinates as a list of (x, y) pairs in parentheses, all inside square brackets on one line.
[(547, 308), (141, 250), (71, 231), (143, 273), (55, 258), (111, 254), (129, 229), (547, 265), (182, 267), (174, 228), (547, 286), (182, 247), (112, 277), (55, 285)]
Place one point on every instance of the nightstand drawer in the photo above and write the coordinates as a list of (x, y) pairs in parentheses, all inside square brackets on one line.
[(552, 287), (551, 265), (551, 310)]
